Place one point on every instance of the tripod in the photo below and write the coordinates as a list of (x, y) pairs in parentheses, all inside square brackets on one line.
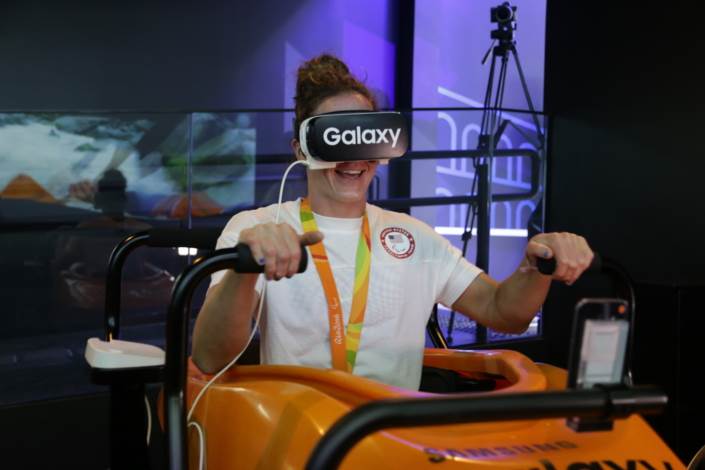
[(491, 129)]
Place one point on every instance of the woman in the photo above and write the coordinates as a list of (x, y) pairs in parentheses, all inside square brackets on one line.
[(363, 305)]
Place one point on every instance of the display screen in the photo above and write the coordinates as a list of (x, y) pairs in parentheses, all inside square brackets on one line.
[(599, 342), (604, 344)]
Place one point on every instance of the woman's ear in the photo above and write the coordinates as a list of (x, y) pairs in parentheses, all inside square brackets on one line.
[(296, 147)]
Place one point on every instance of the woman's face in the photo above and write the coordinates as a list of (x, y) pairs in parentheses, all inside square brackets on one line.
[(341, 191)]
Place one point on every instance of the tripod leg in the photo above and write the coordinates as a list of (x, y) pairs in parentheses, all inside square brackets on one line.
[(499, 102), (487, 102), (527, 96), (482, 141), (485, 187), (485, 177)]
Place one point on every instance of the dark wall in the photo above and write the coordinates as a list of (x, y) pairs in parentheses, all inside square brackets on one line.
[(184, 54), (626, 170), (140, 55), (625, 88)]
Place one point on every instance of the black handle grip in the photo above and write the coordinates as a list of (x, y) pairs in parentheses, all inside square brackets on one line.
[(547, 266), (246, 262)]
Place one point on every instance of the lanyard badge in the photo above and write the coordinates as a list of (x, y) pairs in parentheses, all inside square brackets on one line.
[(343, 344)]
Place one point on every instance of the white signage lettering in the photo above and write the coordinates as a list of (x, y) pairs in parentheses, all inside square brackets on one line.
[(332, 136)]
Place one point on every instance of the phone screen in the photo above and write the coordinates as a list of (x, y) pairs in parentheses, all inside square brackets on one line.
[(600, 337)]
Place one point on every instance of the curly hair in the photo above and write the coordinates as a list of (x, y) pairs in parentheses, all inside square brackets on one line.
[(320, 78)]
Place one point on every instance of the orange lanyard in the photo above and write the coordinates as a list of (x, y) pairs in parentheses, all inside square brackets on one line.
[(343, 347)]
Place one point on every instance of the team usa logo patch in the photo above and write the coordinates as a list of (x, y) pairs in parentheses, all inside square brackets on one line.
[(398, 242)]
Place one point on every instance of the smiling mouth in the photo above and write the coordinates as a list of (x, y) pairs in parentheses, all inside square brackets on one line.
[(349, 174)]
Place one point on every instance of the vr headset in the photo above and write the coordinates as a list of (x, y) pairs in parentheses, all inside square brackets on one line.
[(328, 139)]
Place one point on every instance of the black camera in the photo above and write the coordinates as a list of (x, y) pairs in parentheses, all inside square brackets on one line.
[(502, 14), (505, 16)]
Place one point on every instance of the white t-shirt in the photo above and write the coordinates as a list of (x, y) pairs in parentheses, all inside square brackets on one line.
[(412, 268)]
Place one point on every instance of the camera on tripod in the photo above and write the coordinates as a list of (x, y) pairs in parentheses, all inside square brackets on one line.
[(505, 17)]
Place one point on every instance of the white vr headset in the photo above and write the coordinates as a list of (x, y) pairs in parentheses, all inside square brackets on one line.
[(328, 139)]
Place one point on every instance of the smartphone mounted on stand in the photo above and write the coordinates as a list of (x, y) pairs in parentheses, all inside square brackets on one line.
[(598, 350)]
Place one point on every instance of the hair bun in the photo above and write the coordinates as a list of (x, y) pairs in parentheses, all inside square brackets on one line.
[(324, 70), (321, 77)]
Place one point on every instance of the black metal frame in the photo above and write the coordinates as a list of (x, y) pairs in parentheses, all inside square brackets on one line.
[(128, 449), (473, 408), (408, 202), (113, 281), (176, 350), (400, 169), (203, 238), (128, 385), (612, 268), (433, 328)]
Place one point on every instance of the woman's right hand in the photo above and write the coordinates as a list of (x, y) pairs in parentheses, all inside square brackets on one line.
[(277, 247)]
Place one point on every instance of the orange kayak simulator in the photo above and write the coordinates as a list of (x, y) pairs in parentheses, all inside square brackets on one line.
[(505, 410)]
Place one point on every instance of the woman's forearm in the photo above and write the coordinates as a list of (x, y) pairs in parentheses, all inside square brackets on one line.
[(224, 323)]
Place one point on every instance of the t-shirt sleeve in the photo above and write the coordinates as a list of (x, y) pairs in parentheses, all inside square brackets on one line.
[(229, 238), (455, 272)]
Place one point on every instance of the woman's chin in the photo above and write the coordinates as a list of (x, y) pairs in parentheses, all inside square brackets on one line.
[(350, 197), (349, 191)]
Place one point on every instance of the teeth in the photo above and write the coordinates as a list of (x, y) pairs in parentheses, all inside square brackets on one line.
[(352, 172)]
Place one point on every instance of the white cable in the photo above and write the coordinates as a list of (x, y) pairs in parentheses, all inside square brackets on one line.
[(149, 418), (697, 459), (201, 442), (281, 186), (257, 318)]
